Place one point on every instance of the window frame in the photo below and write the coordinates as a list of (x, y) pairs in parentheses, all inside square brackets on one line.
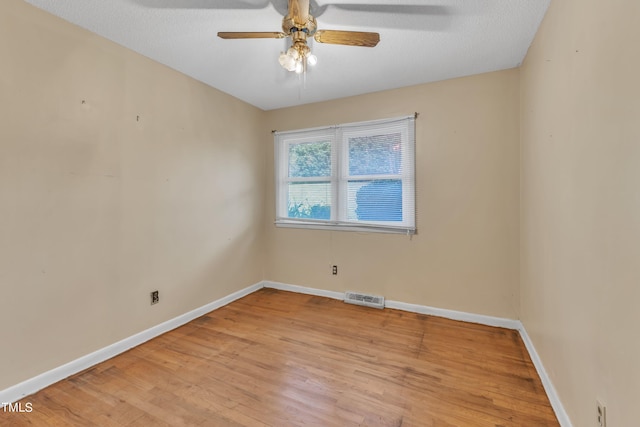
[(338, 137)]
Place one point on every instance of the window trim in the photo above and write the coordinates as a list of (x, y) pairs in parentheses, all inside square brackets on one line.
[(338, 136)]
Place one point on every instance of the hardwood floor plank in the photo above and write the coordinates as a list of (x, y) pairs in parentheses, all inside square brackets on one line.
[(276, 358)]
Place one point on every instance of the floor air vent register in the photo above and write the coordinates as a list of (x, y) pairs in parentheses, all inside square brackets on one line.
[(357, 298)]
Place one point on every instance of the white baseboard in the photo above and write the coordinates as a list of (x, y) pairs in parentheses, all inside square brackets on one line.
[(482, 319), (32, 385), (554, 399), (304, 290)]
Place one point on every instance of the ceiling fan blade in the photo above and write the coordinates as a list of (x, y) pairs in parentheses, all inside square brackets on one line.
[(409, 16), (349, 38), (400, 9), (251, 35), (204, 4)]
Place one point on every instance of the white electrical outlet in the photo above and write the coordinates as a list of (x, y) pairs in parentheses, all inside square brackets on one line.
[(602, 414)]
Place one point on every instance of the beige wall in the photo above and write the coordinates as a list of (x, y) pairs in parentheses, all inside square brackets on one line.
[(465, 255), (117, 176), (580, 222)]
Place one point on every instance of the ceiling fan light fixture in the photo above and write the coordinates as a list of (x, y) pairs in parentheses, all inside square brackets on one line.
[(297, 57), (293, 53), (287, 61)]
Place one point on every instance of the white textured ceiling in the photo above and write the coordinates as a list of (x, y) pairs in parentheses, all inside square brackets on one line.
[(420, 41)]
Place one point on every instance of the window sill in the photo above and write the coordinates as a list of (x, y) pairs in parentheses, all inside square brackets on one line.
[(362, 228)]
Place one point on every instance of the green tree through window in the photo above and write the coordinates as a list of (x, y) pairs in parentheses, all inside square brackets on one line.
[(310, 159), (310, 199)]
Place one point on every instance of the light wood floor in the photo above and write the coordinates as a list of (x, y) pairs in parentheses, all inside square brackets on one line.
[(276, 358)]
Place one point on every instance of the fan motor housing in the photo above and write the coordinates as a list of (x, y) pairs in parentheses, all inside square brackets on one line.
[(290, 27)]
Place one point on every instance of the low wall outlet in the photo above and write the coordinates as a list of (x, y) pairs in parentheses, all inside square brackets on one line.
[(155, 297)]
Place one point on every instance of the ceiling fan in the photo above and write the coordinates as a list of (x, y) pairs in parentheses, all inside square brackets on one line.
[(299, 24)]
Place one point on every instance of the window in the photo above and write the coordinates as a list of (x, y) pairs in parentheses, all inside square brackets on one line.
[(358, 176)]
